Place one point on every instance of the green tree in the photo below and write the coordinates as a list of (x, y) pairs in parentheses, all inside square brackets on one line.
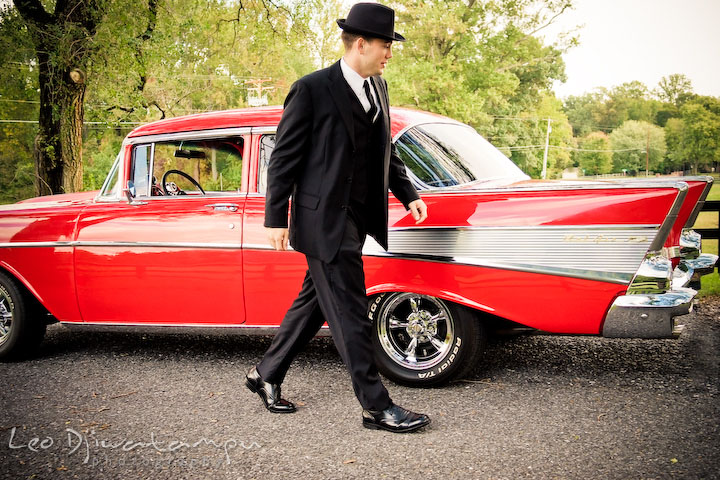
[(594, 156), (675, 158), (482, 63), (700, 140), (18, 107), (63, 41), (638, 146), (674, 89)]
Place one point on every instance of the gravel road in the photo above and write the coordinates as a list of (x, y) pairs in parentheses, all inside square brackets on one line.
[(167, 406)]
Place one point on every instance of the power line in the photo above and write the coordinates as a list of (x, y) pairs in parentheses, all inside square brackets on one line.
[(84, 123)]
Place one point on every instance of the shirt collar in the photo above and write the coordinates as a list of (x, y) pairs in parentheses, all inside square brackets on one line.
[(354, 79)]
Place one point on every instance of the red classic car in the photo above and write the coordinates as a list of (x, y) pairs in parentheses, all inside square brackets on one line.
[(179, 220)]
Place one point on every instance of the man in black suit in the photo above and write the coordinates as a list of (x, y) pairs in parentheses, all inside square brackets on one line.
[(333, 154)]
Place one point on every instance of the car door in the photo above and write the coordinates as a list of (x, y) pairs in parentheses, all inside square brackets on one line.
[(272, 278), (171, 254)]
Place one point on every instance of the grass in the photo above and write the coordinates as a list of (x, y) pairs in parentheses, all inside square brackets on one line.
[(711, 282)]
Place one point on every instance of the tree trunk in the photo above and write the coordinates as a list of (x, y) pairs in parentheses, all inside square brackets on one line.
[(48, 160), (63, 43)]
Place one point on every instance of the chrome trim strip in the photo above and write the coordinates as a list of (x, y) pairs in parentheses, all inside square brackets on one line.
[(671, 217), (140, 327), (81, 243), (189, 135), (613, 250), (263, 130), (36, 244), (647, 316), (701, 200), (431, 122), (560, 187)]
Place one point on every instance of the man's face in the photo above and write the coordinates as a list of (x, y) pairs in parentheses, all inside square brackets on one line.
[(375, 53)]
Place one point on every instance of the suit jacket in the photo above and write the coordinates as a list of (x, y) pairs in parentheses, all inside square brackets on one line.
[(312, 163)]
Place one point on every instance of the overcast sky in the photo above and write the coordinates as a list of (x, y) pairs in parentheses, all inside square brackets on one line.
[(645, 40)]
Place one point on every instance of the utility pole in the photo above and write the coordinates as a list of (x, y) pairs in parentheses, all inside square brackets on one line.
[(547, 144), (256, 96)]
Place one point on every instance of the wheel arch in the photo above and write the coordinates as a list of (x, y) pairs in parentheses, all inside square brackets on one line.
[(28, 292), (456, 298)]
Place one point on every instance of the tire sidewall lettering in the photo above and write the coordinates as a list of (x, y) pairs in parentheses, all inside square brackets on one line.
[(444, 365)]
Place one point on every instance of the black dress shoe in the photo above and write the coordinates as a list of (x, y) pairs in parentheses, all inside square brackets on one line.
[(394, 419), (269, 393)]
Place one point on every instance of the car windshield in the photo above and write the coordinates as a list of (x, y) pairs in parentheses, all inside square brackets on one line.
[(447, 154), (111, 188)]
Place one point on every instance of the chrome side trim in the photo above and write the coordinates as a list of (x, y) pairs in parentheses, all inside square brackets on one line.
[(200, 328), (648, 316), (77, 243), (671, 217), (606, 252), (189, 135), (701, 200), (36, 244), (554, 187)]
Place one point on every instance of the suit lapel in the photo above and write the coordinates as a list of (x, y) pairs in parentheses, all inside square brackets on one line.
[(338, 91), (382, 96)]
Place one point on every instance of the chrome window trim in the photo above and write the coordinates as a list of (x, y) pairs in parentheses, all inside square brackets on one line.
[(115, 167), (264, 130), (439, 121), (190, 135)]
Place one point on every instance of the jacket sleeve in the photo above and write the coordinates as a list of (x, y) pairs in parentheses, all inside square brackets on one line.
[(291, 143), (399, 182)]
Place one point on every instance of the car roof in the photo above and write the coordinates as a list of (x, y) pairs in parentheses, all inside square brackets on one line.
[(265, 117)]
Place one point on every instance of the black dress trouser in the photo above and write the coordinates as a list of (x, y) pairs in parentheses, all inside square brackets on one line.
[(332, 292)]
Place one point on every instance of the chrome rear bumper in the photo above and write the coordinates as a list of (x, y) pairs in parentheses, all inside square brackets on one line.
[(648, 315)]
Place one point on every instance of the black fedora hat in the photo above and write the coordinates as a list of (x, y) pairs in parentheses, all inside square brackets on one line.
[(372, 20)]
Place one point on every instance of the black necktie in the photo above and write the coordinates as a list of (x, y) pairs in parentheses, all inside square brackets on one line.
[(373, 108)]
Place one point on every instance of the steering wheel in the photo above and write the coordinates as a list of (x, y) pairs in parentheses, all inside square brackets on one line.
[(182, 174)]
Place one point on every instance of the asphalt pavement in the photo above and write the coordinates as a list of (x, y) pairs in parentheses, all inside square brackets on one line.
[(128, 405)]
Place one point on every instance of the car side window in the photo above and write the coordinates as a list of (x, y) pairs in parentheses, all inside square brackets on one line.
[(267, 144), (141, 168), (189, 168)]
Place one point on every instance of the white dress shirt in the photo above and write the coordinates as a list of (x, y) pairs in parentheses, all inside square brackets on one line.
[(356, 81)]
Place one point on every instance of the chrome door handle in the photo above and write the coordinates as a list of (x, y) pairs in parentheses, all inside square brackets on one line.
[(231, 207)]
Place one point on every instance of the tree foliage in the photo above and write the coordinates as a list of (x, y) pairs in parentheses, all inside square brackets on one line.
[(638, 146), (484, 64), (594, 156)]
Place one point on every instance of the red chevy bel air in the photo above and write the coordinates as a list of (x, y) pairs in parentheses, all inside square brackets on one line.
[(175, 238)]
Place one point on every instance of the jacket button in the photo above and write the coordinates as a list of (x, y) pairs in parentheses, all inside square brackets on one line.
[(348, 180), (344, 207)]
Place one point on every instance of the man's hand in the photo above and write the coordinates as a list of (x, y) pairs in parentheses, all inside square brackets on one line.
[(418, 210), (279, 238)]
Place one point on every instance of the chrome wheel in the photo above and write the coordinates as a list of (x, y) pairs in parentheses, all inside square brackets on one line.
[(415, 331), (6, 315)]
